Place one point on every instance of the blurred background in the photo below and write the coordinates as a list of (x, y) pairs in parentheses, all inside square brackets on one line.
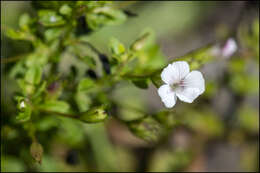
[(224, 123)]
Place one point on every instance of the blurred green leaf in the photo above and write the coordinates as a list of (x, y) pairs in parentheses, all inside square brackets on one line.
[(52, 33), (90, 61), (12, 164), (26, 88), (204, 122), (116, 47), (24, 21), (46, 123), (83, 101), (65, 10), (33, 75), (156, 79), (19, 35), (170, 161), (104, 16), (248, 118), (140, 83), (147, 129), (55, 106), (166, 118), (38, 58), (50, 18), (85, 84)]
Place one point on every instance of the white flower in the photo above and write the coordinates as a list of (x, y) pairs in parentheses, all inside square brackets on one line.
[(181, 83)]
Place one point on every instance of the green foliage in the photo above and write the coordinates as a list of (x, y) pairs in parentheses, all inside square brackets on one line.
[(50, 18), (54, 81)]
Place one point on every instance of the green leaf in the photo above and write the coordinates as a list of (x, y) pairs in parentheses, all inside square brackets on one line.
[(85, 84), (36, 151), (248, 119), (83, 101), (33, 75), (147, 129), (116, 47), (55, 106), (204, 122), (166, 118), (19, 35), (52, 34), (94, 115), (40, 89), (90, 61), (141, 83), (39, 57), (65, 10), (104, 16), (156, 79), (18, 68), (49, 18), (26, 87), (24, 21)]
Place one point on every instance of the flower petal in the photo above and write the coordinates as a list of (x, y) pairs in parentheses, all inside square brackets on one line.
[(168, 97), (174, 72), (229, 48), (188, 94), (193, 86)]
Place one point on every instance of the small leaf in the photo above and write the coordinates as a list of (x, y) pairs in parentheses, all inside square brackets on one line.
[(56, 106), (94, 115), (83, 101), (19, 35), (52, 34), (49, 18), (65, 10), (116, 47), (85, 84), (33, 75), (36, 151), (104, 16)]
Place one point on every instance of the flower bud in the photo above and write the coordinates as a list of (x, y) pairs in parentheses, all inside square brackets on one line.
[(94, 115), (36, 151)]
